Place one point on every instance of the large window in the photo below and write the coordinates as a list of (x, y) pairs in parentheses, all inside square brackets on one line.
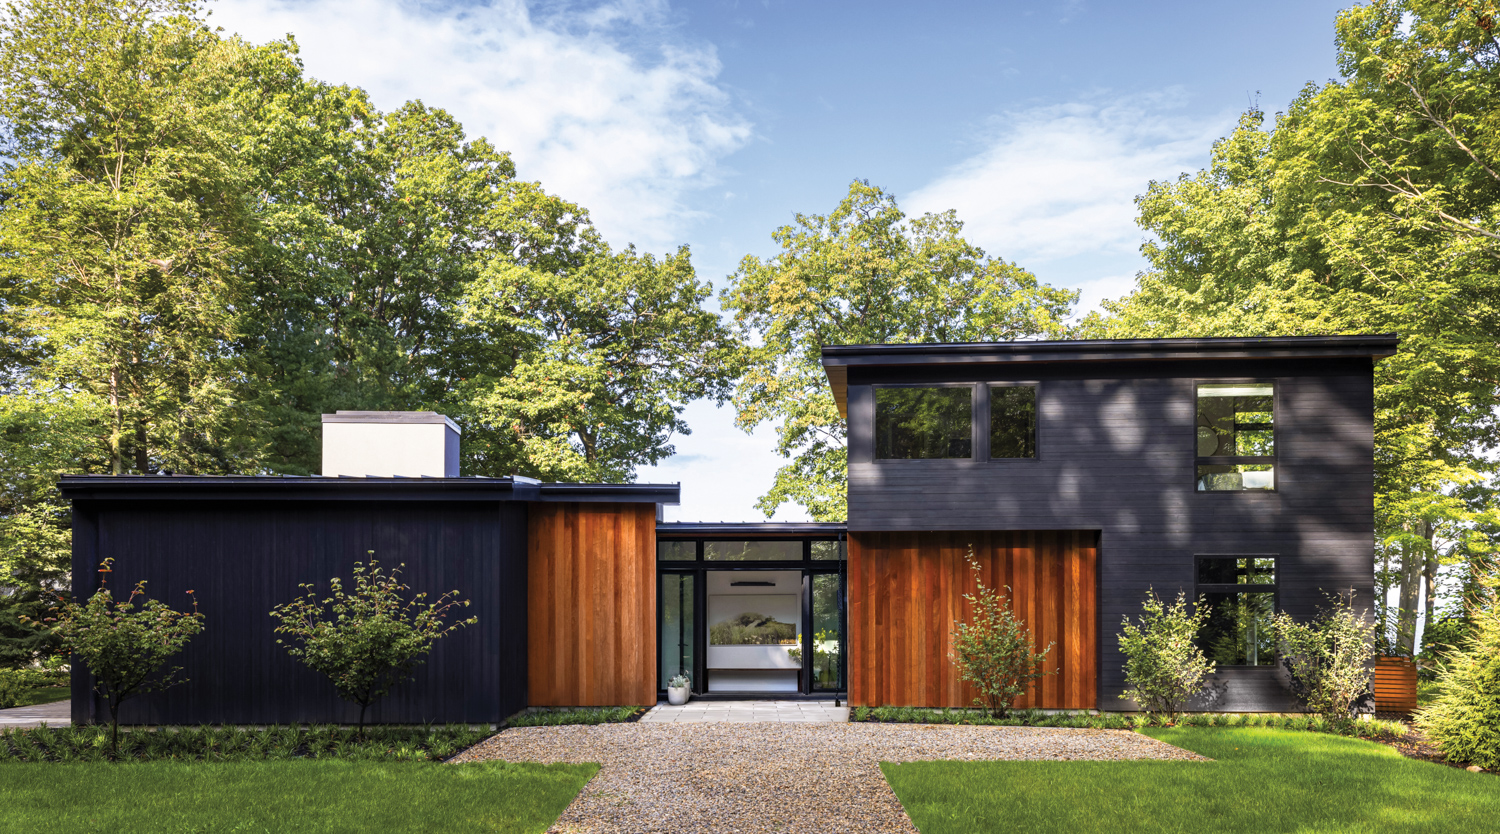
[(924, 422), (1012, 421), (1236, 436), (1240, 592)]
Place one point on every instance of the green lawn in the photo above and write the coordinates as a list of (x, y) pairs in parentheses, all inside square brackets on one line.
[(1262, 781), (43, 695), (294, 796)]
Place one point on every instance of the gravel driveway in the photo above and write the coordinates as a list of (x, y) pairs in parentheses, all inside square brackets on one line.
[(754, 778)]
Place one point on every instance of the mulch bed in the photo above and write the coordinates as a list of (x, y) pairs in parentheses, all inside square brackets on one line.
[(1415, 745)]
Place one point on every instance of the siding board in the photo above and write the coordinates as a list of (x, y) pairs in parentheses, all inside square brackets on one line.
[(591, 604), (910, 591)]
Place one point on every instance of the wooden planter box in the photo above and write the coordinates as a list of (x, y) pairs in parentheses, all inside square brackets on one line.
[(1395, 685)]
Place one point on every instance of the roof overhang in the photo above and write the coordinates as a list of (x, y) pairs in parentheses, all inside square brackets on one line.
[(749, 530), (838, 359), (319, 488)]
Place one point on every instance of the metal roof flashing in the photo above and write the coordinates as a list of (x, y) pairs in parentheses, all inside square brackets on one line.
[(352, 488)]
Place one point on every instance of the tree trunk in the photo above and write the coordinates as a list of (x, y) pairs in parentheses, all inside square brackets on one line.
[(114, 728), (1429, 600), (1406, 607)]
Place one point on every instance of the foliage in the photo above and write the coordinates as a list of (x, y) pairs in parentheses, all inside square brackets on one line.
[(239, 744), (17, 685), (1386, 730), (863, 274), (289, 797), (1164, 665), (1272, 781), (206, 249), (1371, 205), (124, 643), (679, 680), (993, 649), (369, 638), (1440, 637), (547, 717), (1331, 658), (1463, 719)]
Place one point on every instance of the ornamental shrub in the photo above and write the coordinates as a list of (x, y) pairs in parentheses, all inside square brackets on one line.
[(1330, 659), (368, 639), (1164, 665), (1463, 720), (994, 650), (125, 643)]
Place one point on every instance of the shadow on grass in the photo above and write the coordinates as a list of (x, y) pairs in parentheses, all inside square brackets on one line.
[(1261, 781)]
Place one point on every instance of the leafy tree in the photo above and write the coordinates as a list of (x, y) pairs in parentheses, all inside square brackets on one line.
[(124, 646), (126, 208), (863, 274), (1372, 205), (1330, 659), (1164, 665), (1464, 717), (369, 638), (994, 650)]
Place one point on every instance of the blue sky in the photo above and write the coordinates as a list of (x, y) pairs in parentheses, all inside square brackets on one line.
[(711, 123)]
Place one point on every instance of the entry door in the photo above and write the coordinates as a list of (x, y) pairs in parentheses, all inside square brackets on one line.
[(766, 632)]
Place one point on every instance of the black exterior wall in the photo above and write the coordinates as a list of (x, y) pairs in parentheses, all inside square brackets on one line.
[(243, 545), (1115, 453)]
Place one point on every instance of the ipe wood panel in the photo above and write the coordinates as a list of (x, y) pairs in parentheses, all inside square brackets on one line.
[(1395, 684), (906, 591), (591, 605)]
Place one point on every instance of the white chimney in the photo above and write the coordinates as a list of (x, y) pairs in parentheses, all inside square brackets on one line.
[(386, 443)]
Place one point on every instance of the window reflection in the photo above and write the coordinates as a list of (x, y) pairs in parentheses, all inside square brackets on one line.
[(1013, 421), (752, 551), (921, 422)]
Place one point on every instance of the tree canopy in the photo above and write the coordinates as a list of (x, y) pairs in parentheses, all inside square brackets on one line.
[(862, 274)]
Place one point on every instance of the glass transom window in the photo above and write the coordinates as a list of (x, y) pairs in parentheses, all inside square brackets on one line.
[(1236, 436), (924, 422)]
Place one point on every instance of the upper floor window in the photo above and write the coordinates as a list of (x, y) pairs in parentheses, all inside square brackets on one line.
[(1236, 436), (924, 422), (1012, 421)]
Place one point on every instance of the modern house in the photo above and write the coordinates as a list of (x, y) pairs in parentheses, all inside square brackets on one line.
[(1080, 475)]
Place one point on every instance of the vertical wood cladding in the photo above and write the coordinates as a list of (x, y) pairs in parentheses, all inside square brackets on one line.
[(591, 607), (1115, 453), (906, 590), (242, 558)]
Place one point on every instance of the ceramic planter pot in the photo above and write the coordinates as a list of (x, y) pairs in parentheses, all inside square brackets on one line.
[(677, 695)]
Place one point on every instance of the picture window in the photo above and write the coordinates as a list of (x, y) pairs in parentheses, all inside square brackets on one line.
[(1240, 592), (924, 422), (1012, 421), (1235, 441)]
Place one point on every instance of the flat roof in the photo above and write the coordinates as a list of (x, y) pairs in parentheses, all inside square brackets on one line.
[(748, 529), (837, 359), (347, 488)]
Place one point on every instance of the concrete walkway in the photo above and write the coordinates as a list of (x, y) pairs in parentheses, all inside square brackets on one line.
[(55, 714), (797, 712)]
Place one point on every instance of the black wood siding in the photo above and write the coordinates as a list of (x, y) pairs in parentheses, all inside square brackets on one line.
[(1115, 454), (243, 558)]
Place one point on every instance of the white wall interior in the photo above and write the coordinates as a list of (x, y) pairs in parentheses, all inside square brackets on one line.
[(382, 444)]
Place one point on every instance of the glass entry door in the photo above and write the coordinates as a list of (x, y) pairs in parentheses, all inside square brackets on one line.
[(676, 635)]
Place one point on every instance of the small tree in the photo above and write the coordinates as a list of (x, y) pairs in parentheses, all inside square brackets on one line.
[(1464, 719), (994, 650), (1329, 658), (1164, 665), (124, 643), (368, 639)]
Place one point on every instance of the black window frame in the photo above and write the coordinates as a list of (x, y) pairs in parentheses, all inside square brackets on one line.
[(974, 414), (1200, 589), (1273, 460), (699, 567), (984, 407)]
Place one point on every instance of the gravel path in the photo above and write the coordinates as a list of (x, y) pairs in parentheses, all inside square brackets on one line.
[(753, 778)]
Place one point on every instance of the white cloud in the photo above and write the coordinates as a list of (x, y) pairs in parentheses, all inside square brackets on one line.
[(1060, 181), (604, 104), (722, 469)]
